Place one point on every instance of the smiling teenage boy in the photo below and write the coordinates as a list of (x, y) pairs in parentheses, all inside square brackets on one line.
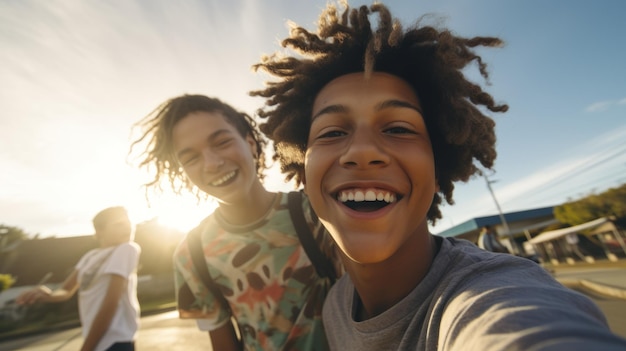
[(251, 250), (378, 123)]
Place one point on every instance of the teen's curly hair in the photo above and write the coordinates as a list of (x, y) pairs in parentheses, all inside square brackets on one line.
[(429, 59), (157, 137)]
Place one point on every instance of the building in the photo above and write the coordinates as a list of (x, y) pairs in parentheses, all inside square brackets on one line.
[(521, 227)]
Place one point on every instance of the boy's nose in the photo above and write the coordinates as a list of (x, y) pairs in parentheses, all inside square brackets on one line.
[(212, 161), (364, 151)]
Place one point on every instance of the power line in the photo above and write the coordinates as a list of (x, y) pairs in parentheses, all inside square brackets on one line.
[(617, 178), (583, 191), (569, 175), (587, 167)]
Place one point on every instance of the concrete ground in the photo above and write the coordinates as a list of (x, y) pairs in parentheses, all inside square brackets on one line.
[(159, 332)]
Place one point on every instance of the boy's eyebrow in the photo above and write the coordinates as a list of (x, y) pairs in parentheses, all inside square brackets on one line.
[(398, 103), (381, 106), (330, 109), (211, 137)]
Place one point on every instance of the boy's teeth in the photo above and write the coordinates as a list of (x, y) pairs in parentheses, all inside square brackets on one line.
[(366, 195), (358, 196), (223, 179)]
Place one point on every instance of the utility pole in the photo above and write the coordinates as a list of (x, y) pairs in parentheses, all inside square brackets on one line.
[(502, 219)]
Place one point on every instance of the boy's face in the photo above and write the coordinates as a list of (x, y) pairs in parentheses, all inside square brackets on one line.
[(369, 166), (214, 156), (117, 230)]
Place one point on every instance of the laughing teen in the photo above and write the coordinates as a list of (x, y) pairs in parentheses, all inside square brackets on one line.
[(378, 123), (249, 244)]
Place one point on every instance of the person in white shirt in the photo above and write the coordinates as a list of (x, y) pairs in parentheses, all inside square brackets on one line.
[(106, 281)]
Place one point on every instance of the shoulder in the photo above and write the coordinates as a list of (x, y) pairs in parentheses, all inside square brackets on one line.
[(130, 247), (482, 280), (126, 252), (487, 295), (206, 228), (465, 273)]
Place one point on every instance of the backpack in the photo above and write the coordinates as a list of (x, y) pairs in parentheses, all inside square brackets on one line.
[(323, 266)]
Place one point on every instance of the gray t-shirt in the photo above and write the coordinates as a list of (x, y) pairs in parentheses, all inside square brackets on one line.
[(473, 300)]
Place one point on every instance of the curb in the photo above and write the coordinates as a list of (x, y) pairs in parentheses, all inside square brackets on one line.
[(597, 288)]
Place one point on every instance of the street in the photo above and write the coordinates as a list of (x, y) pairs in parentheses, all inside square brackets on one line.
[(163, 331), (609, 281), (614, 310)]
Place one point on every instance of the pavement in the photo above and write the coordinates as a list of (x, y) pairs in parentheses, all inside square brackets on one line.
[(158, 332), (603, 278)]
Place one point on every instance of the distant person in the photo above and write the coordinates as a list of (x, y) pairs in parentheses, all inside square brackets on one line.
[(106, 280), (573, 247), (265, 281), (378, 123), (488, 240)]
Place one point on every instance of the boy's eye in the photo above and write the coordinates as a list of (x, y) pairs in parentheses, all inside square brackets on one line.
[(223, 142), (399, 130), (189, 160), (332, 134)]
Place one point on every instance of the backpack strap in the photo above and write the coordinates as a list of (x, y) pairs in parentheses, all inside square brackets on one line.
[(322, 264), (197, 258)]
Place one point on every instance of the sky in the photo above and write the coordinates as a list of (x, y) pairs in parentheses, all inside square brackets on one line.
[(75, 76)]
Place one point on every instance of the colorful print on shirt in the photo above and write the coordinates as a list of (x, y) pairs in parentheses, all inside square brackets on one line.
[(274, 292)]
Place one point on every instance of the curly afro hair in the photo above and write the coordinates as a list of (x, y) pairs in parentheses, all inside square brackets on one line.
[(157, 137), (429, 59)]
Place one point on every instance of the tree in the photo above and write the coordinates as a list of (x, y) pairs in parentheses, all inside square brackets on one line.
[(10, 235), (10, 238), (609, 203)]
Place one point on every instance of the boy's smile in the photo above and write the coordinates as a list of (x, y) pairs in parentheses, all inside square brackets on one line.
[(369, 167), (370, 199)]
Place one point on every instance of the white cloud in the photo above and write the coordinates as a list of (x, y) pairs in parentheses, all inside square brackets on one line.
[(602, 106), (599, 106), (539, 179), (590, 166)]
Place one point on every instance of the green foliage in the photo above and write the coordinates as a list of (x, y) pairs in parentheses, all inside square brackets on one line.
[(609, 203), (10, 234), (6, 280)]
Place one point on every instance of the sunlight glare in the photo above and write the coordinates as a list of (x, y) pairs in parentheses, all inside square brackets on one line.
[(181, 213)]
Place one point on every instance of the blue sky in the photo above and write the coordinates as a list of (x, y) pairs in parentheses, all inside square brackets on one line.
[(76, 75)]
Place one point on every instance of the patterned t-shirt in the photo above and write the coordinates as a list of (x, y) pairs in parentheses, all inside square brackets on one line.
[(272, 288)]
